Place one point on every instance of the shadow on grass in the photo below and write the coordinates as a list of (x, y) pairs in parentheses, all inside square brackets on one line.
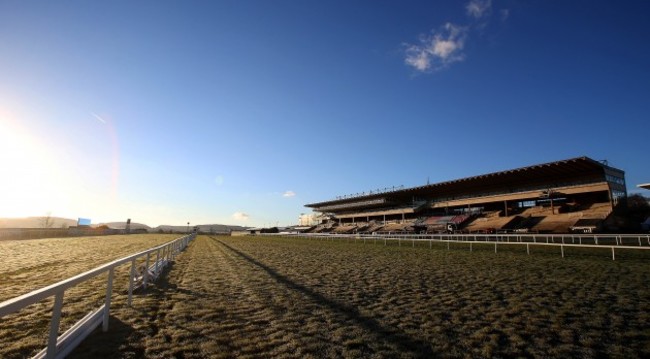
[(403, 342), (122, 340), (116, 343)]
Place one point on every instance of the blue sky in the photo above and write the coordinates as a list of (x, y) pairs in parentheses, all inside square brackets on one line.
[(241, 112)]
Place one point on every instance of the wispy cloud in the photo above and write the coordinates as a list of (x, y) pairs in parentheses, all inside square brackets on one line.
[(98, 117), (240, 216), (478, 8), (289, 194), (438, 50)]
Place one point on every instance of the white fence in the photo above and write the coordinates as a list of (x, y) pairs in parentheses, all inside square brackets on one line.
[(607, 241), (155, 259)]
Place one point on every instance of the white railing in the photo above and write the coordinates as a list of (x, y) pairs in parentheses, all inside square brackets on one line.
[(59, 347), (610, 241)]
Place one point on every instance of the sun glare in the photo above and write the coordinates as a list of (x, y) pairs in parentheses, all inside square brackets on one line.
[(30, 184)]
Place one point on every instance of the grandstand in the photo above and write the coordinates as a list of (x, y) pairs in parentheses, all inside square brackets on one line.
[(577, 194)]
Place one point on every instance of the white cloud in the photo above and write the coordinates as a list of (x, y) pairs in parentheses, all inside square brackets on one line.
[(240, 216), (289, 194), (438, 50), (478, 8)]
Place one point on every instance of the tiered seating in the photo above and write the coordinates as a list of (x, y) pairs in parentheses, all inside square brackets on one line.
[(460, 219), (558, 223), (344, 229), (537, 211), (597, 210), (374, 228), (436, 223), (398, 227), (487, 224), (324, 228)]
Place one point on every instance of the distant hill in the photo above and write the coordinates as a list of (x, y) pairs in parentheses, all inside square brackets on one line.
[(206, 228), (37, 222), (122, 225), (58, 222)]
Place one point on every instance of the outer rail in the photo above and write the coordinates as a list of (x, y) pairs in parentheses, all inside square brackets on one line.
[(61, 346), (607, 241)]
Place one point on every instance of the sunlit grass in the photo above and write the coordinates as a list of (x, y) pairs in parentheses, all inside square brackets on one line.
[(28, 265), (279, 297), (286, 297)]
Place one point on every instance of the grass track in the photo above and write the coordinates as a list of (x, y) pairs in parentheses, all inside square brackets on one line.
[(28, 265), (280, 297)]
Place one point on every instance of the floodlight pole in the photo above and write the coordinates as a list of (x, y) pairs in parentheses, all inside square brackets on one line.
[(188, 227)]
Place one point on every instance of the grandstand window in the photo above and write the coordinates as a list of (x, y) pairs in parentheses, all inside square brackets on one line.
[(615, 179), (526, 204)]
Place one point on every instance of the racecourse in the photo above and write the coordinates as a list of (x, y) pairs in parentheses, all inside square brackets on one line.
[(290, 297), (29, 265)]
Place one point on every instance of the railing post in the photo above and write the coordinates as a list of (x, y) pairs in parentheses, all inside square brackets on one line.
[(107, 305), (613, 255), (131, 275), (146, 271), (157, 262), (54, 325)]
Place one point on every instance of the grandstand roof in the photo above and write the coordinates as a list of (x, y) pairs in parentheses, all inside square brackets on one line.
[(551, 171), (644, 185)]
